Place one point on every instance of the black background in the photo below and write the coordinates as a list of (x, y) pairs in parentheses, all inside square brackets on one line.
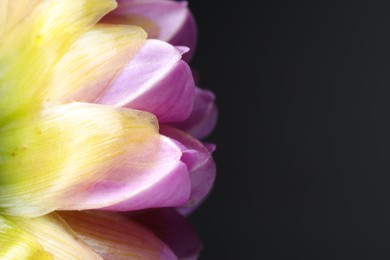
[(303, 89)]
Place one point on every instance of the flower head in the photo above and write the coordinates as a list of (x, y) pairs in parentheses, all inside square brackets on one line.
[(90, 120)]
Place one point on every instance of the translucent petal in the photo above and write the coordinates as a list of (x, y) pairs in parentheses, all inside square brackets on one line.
[(68, 149), (30, 50), (153, 177), (116, 237), (93, 62), (17, 244), (56, 237)]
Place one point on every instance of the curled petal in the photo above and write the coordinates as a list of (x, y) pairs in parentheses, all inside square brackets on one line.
[(174, 230), (156, 81), (200, 165), (67, 150), (56, 237), (153, 177), (169, 21), (116, 237), (203, 118)]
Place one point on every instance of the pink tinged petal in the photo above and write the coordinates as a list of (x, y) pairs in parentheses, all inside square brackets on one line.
[(93, 62), (116, 237), (186, 36), (182, 49), (153, 177), (200, 165), (156, 81), (210, 147), (204, 116), (169, 21), (174, 230), (86, 142)]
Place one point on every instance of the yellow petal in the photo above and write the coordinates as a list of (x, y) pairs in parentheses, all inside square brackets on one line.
[(17, 244), (70, 148), (30, 50), (93, 62), (12, 12), (56, 237), (148, 25)]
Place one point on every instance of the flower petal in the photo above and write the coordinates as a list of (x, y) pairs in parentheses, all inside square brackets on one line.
[(116, 237), (201, 167), (12, 12), (93, 61), (157, 81), (169, 21), (65, 151), (203, 118), (17, 244), (154, 177), (56, 237), (174, 230), (30, 50)]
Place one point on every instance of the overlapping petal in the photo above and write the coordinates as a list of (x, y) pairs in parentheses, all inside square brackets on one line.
[(57, 153), (116, 237), (174, 230), (56, 237), (66, 151), (153, 177), (203, 117), (93, 62), (169, 21), (200, 163), (155, 80), (33, 46), (18, 244)]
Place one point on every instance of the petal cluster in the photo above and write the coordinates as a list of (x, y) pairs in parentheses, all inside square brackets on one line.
[(100, 122)]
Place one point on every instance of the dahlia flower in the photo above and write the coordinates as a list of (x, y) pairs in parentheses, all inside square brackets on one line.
[(100, 126)]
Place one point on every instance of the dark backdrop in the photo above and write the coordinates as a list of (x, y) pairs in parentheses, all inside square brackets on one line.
[(303, 89)]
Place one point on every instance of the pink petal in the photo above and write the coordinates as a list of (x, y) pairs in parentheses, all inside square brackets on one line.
[(200, 165), (155, 177), (172, 21), (156, 81), (204, 115), (115, 237), (174, 230)]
